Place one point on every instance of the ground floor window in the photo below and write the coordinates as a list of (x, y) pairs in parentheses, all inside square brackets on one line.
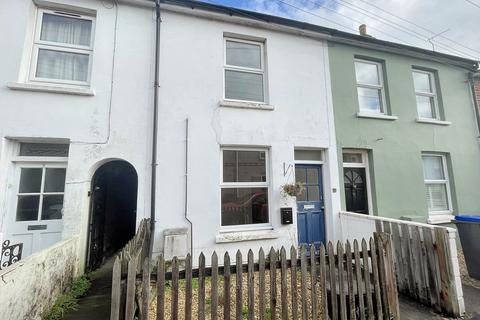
[(356, 181), (244, 187), (40, 193), (437, 186)]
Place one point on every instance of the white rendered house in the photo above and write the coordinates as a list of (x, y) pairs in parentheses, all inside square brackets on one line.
[(244, 108)]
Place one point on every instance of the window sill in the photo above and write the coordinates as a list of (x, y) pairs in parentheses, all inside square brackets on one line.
[(440, 218), (376, 116), (433, 121), (238, 236), (50, 88), (245, 105)]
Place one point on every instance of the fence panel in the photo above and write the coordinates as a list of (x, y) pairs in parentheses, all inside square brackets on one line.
[(332, 284), (424, 257)]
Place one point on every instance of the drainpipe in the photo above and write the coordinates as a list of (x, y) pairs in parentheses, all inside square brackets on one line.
[(155, 126), (186, 188)]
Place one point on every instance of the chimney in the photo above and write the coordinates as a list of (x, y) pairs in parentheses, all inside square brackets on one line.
[(362, 29)]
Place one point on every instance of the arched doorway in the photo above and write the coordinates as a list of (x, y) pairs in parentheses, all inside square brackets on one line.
[(112, 210)]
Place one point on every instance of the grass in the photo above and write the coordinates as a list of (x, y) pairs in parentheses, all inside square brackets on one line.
[(68, 300)]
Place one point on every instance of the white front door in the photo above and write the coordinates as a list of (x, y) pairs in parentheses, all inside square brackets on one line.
[(37, 205)]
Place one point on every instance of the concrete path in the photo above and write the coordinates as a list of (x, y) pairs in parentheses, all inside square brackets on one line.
[(96, 304), (411, 310)]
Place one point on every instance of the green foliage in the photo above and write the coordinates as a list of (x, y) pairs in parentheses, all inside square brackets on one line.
[(268, 314), (244, 312), (68, 300)]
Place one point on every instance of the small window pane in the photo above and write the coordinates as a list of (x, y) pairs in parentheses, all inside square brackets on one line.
[(66, 30), (52, 207), (54, 180), (352, 157), (313, 193), (312, 176), (308, 155), (422, 82), (244, 206), (425, 107), (433, 168), (62, 65), (370, 100), (244, 166), (30, 180), (437, 197), (243, 86), (300, 175), (27, 208), (43, 150), (242, 54), (367, 73)]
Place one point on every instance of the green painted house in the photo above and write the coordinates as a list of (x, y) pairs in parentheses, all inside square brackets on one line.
[(407, 132)]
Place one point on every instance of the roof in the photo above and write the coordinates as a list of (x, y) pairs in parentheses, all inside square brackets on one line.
[(334, 34)]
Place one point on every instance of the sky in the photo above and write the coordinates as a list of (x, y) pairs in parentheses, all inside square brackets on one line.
[(449, 26)]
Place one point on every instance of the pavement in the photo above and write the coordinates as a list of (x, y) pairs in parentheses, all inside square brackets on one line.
[(96, 304), (412, 310)]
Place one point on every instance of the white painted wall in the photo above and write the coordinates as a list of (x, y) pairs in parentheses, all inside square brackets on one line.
[(115, 123), (30, 286), (191, 85), (96, 133)]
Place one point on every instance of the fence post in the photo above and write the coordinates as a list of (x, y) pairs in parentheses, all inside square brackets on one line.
[(448, 294), (116, 290), (226, 286), (387, 275), (146, 289), (188, 287)]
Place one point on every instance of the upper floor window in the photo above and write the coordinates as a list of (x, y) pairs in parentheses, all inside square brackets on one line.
[(425, 92), (244, 70), (370, 88), (62, 49), (436, 183)]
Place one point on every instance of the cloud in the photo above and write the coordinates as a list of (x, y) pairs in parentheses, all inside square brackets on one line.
[(458, 21)]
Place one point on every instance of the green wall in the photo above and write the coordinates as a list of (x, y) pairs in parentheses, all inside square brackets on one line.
[(395, 147)]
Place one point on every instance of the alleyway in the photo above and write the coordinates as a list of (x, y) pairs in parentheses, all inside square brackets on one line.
[(96, 305)]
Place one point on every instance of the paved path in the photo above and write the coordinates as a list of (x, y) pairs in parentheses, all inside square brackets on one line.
[(411, 310), (96, 304)]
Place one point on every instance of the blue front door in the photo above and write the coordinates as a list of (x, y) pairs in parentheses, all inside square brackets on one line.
[(310, 205)]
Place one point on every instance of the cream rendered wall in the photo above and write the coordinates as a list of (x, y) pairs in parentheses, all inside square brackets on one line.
[(191, 86)]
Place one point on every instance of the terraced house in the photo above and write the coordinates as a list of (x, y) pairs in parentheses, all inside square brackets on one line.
[(407, 132), (248, 104)]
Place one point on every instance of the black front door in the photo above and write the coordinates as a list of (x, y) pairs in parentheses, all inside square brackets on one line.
[(355, 190)]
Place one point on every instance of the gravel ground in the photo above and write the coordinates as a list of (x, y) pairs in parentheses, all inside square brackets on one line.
[(194, 302)]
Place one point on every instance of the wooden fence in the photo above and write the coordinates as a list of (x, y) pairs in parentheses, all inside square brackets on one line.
[(128, 262), (346, 282), (424, 259)]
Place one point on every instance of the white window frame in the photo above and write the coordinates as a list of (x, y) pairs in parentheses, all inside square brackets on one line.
[(433, 94), (245, 69), (445, 181), (43, 164), (265, 184), (364, 164), (63, 47), (381, 86)]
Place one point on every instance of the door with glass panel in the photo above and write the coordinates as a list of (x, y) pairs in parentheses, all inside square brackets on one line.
[(36, 213), (310, 205)]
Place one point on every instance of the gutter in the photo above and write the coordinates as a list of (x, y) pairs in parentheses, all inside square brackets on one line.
[(155, 126)]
